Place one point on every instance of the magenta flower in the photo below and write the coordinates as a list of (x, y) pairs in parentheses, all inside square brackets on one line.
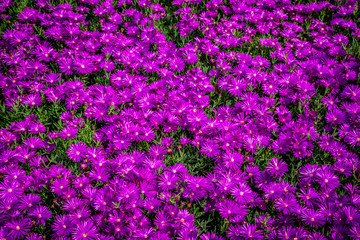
[(40, 213), (77, 151), (10, 190), (277, 167), (85, 230), (313, 218), (18, 227)]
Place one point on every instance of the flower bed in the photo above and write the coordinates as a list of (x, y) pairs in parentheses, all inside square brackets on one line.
[(183, 119)]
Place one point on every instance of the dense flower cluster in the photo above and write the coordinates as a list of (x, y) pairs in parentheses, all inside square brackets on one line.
[(265, 93)]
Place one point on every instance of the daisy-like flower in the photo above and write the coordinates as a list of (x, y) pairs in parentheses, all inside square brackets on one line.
[(34, 236), (355, 232), (308, 172), (210, 236), (232, 160), (33, 100), (176, 64), (277, 167), (168, 181), (102, 201), (327, 178), (81, 214), (36, 128), (41, 213), (309, 196), (59, 185), (99, 174), (68, 132), (66, 66), (183, 217), (77, 151), (15, 173), (352, 214), (18, 227), (242, 193), (270, 88), (10, 190), (335, 117), (313, 218), (85, 230), (210, 149), (286, 203), (152, 204), (162, 220), (237, 87), (150, 66), (107, 65), (29, 201), (234, 232), (353, 138), (272, 191), (83, 65), (352, 92), (228, 208), (248, 231), (73, 203), (209, 48), (287, 232), (34, 143)]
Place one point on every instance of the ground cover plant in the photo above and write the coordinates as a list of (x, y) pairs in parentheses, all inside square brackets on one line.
[(183, 119)]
